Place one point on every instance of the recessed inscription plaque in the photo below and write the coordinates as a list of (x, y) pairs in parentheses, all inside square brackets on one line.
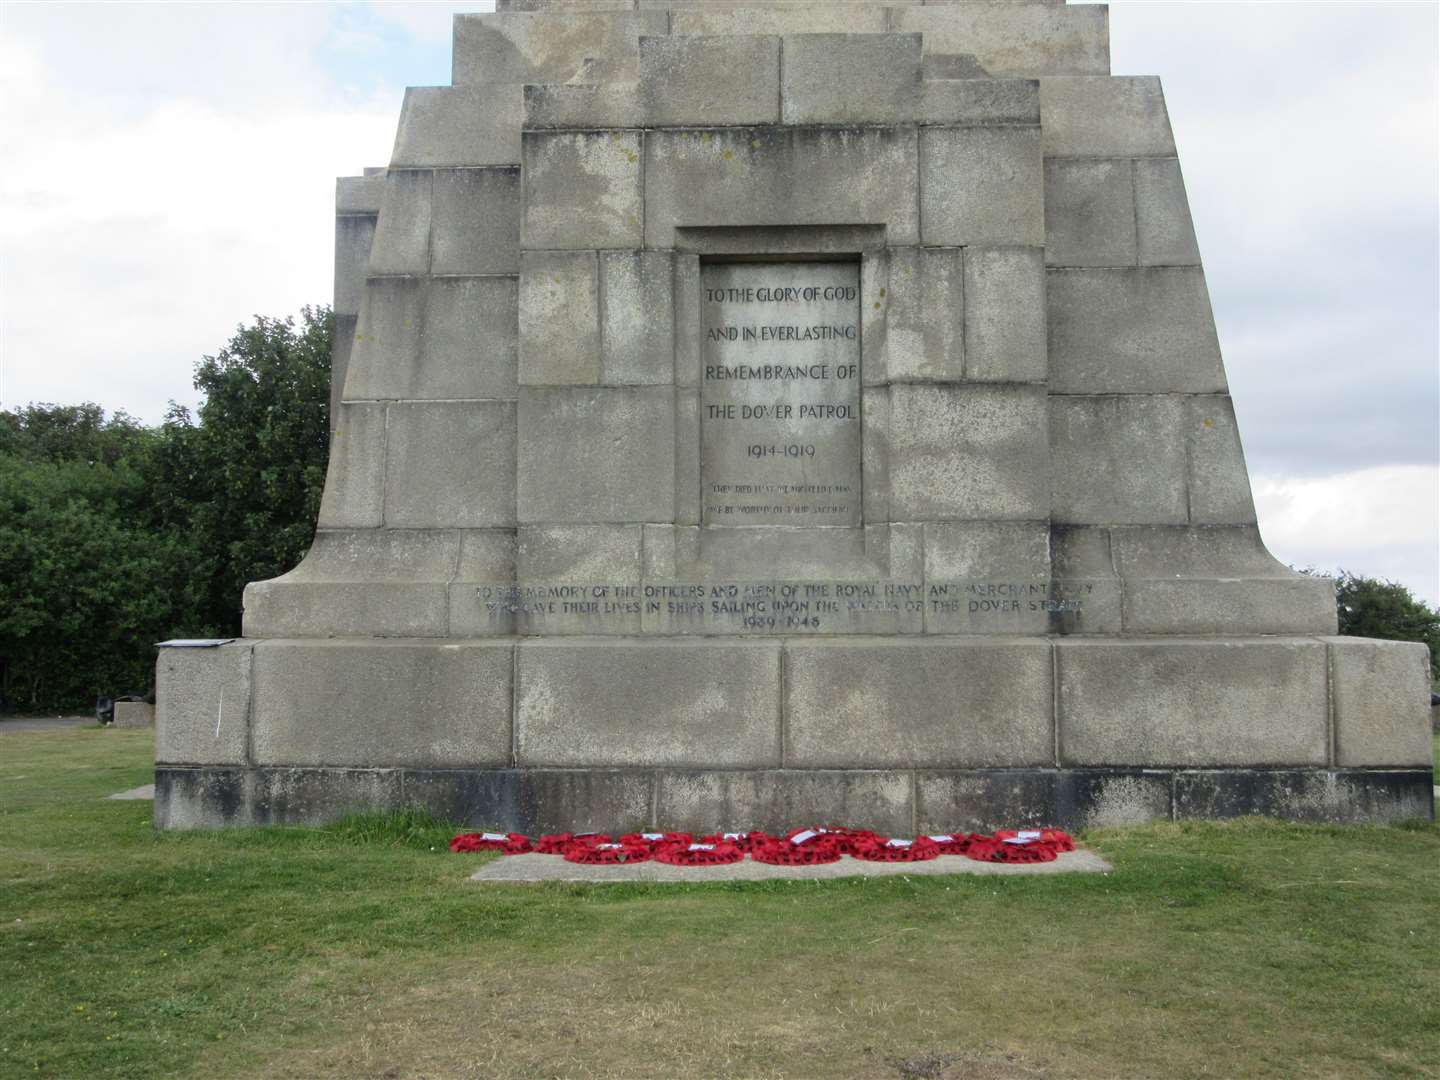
[(780, 398)]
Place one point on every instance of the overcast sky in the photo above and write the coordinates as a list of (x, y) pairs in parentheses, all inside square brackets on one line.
[(170, 173)]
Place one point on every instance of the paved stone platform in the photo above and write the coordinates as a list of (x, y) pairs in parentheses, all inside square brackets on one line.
[(518, 869), (144, 791)]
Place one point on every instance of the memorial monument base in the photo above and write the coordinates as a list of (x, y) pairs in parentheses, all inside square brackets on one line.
[(893, 734)]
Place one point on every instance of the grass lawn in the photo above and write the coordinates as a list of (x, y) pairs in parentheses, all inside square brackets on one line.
[(1248, 949)]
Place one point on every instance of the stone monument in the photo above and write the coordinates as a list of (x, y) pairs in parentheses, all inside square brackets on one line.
[(754, 414)]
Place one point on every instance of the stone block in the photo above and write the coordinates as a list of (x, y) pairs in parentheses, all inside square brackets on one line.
[(535, 801), (596, 455), (1069, 799), (353, 236), (925, 323), (775, 800), (1105, 117), (440, 338), (747, 177), (360, 194), (970, 102), (1177, 702), (981, 185), (582, 190), (551, 47), (1118, 460), (894, 703), (1137, 331), (559, 318), (392, 702), (402, 232), (340, 348), (476, 215), (971, 452), (637, 319), (608, 105), (1293, 605), (481, 592), (134, 714), (319, 796), (881, 84), (876, 417), (200, 798), (600, 563), (450, 464), (1381, 698), (355, 478), (687, 458), (1162, 215), (1089, 212), (641, 703), (1219, 481), (202, 705), (1005, 332), (1323, 796), (1010, 39), (718, 80), (458, 125), (1199, 552), (1084, 576), (987, 577), (758, 18)]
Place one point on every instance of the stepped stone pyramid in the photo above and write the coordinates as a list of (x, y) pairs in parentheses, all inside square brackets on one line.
[(750, 414)]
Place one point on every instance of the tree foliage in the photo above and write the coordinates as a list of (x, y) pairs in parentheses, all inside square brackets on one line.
[(1369, 607), (114, 536)]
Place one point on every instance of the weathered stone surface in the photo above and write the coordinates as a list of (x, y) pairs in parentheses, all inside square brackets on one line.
[(450, 464), (440, 338), (972, 570), (582, 190), (975, 452), (458, 125), (319, 796), (1089, 212), (1014, 39), (774, 800), (643, 703), (981, 185), (1254, 702), (1122, 116), (353, 236), (1013, 798), (884, 703), (1162, 215), (487, 559), (590, 557), (535, 801), (754, 18), (1005, 330), (637, 321), (341, 346), (747, 176), (360, 194), (202, 705), (965, 102), (881, 82), (1332, 797), (1081, 558), (1140, 331), (1118, 459), (476, 221), (925, 323), (596, 455), (609, 105), (398, 702), (559, 318), (200, 798), (134, 714), (548, 48), (355, 477), (402, 233), (1381, 696), (710, 80), (1219, 481)]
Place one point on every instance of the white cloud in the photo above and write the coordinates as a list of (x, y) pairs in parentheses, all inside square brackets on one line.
[(1382, 523)]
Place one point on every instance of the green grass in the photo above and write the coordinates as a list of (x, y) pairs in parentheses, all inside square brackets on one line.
[(1250, 948)]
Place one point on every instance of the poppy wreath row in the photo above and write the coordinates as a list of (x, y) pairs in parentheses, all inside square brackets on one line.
[(799, 847)]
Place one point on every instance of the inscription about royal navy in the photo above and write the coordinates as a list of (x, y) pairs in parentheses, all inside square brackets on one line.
[(780, 397)]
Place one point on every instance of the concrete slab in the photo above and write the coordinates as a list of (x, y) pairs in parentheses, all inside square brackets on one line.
[(516, 869), (144, 791)]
